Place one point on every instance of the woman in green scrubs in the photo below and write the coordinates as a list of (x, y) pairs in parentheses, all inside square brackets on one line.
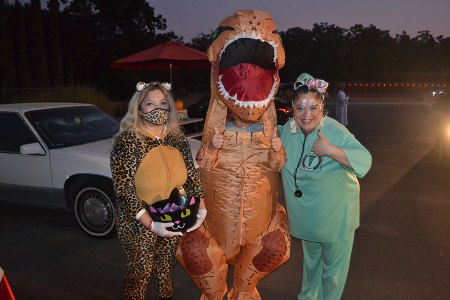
[(320, 181)]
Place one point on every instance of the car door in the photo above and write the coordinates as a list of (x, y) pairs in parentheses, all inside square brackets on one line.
[(24, 179)]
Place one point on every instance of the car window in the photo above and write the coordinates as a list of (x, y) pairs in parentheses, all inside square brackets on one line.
[(71, 126), (14, 133)]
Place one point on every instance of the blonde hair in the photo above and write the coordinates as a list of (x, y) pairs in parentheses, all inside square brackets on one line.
[(132, 121)]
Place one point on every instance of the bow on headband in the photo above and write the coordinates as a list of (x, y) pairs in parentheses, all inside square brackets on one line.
[(140, 86), (311, 82)]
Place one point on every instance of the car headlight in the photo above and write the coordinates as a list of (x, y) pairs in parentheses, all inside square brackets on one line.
[(438, 93)]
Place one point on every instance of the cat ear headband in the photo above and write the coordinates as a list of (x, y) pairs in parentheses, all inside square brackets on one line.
[(140, 86), (312, 83)]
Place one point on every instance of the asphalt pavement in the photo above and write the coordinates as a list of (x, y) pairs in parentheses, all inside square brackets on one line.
[(401, 250)]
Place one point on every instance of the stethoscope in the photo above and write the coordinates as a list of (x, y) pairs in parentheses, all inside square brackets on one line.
[(298, 192)]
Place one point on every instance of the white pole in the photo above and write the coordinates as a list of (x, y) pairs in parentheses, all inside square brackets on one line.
[(171, 74)]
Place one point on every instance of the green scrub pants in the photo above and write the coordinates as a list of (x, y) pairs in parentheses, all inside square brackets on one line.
[(325, 269)]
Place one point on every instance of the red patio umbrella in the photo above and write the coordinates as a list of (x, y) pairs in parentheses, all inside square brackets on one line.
[(166, 56)]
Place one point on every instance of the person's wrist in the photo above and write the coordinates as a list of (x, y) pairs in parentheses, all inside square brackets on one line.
[(150, 226), (332, 151)]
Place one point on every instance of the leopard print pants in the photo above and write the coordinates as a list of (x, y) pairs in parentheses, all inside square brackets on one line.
[(148, 255)]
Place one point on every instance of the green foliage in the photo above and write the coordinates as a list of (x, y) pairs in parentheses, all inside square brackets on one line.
[(200, 42), (364, 54), (98, 32)]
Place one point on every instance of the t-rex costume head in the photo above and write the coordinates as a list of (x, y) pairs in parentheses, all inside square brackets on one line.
[(246, 53)]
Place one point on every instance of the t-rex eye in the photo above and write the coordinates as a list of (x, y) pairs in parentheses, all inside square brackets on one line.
[(216, 33), (277, 33)]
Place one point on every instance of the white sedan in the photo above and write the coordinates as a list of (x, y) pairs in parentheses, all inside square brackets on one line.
[(56, 155)]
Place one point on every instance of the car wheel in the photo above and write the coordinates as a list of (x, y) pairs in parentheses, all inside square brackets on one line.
[(94, 209)]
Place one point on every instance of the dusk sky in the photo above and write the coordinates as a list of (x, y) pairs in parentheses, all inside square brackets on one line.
[(188, 18)]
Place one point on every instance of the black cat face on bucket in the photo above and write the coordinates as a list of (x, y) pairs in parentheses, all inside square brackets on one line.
[(178, 209)]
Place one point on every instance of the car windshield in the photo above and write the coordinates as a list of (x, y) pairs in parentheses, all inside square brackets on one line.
[(71, 126)]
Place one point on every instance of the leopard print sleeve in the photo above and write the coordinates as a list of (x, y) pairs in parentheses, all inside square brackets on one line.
[(124, 163), (193, 185)]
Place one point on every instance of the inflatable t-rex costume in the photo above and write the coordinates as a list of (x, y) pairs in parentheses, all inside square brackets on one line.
[(245, 226)]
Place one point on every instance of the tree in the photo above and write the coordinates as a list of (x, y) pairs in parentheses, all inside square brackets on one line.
[(101, 31), (200, 42), (8, 71), (444, 58), (371, 53), (404, 55), (299, 47), (54, 44), (38, 52), (427, 63), (20, 47), (330, 52)]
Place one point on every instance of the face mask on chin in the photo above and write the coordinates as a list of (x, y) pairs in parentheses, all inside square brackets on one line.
[(158, 116)]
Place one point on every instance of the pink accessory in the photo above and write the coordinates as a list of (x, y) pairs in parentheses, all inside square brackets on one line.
[(311, 82)]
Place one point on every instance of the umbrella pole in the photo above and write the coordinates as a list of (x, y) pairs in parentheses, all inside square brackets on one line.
[(170, 67)]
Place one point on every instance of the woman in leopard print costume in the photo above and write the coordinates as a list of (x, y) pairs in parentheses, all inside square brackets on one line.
[(151, 157)]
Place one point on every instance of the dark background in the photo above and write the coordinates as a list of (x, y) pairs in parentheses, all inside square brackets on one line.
[(74, 42)]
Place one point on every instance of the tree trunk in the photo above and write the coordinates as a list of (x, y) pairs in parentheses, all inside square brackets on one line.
[(20, 48), (7, 68), (38, 52), (54, 44)]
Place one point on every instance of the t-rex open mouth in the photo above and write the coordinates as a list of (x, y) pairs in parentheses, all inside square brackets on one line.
[(248, 72)]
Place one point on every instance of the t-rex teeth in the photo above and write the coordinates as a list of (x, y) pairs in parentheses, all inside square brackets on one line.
[(247, 104)]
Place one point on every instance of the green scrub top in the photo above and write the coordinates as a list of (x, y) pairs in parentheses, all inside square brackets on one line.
[(328, 210)]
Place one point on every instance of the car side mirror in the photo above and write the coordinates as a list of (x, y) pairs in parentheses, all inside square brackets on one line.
[(32, 149)]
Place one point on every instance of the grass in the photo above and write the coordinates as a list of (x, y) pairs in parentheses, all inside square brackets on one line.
[(77, 94)]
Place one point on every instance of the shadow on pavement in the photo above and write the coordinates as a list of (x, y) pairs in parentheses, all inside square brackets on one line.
[(402, 249)]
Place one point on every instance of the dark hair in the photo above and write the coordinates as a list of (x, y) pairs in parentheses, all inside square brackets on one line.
[(302, 90)]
